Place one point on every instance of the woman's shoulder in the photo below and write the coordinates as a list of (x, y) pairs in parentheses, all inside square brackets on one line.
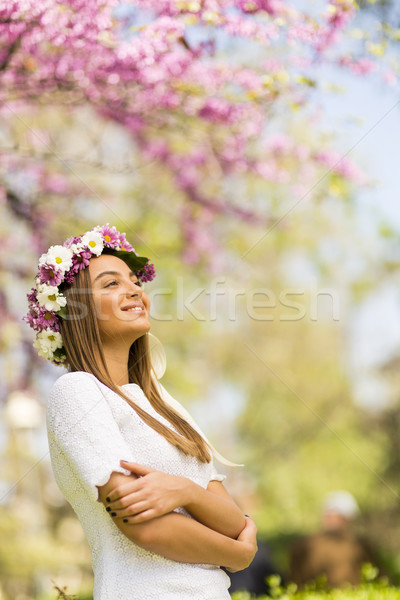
[(73, 378), (74, 397), (74, 383)]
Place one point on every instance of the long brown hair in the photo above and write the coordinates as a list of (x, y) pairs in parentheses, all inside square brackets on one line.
[(82, 343)]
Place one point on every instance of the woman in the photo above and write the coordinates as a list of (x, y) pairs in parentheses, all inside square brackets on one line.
[(139, 475)]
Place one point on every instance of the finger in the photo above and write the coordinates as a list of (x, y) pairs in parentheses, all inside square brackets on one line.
[(250, 526), (146, 515), (126, 501), (136, 467), (121, 491), (250, 523), (129, 511)]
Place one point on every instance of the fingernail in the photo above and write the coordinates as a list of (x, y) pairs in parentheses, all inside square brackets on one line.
[(125, 520), (126, 461), (108, 508), (108, 499), (248, 516), (113, 514)]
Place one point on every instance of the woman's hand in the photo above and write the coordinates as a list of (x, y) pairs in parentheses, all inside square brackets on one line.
[(248, 549), (150, 495)]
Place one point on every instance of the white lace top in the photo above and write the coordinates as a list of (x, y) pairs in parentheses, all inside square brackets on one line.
[(90, 429)]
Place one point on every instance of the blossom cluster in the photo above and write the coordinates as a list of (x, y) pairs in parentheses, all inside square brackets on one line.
[(60, 265), (160, 69)]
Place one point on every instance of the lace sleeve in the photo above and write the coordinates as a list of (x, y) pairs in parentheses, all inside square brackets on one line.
[(81, 427), (215, 476)]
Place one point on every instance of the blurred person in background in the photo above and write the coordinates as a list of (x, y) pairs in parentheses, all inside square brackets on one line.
[(335, 552)]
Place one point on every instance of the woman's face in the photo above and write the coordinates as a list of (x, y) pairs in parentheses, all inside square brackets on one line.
[(116, 291)]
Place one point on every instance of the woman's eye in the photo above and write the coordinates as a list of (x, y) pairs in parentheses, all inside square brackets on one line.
[(115, 282)]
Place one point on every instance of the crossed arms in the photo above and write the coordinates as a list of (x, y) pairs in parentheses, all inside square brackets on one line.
[(142, 506)]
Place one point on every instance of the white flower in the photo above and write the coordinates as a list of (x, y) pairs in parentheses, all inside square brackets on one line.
[(77, 248), (59, 257), (43, 351), (47, 341), (94, 241), (49, 297)]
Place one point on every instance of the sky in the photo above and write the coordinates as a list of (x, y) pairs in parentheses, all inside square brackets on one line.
[(374, 326)]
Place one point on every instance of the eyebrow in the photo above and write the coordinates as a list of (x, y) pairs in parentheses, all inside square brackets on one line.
[(113, 273)]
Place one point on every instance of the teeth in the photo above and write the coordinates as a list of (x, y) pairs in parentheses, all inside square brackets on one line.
[(135, 308)]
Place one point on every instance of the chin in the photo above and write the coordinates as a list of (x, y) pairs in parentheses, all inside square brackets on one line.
[(140, 331)]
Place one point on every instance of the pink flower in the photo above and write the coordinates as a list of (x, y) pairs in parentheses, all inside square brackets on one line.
[(48, 274), (110, 235), (280, 143), (360, 66), (46, 318), (273, 7), (30, 319), (217, 110), (124, 244), (72, 240), (40, 318), (80, 261)]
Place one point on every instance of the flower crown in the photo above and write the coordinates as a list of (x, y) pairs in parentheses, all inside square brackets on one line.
[(58, 267)]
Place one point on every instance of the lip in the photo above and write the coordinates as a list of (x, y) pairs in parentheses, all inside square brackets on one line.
[(133, 305)]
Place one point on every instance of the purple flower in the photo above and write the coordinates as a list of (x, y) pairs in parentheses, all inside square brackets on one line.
[(30, 319), (47, 318), (33, 295), (40, 318), (49, 275), (147, 273), (69, 277), (124, 244), (111, 236), (72, 240), (80, 261)]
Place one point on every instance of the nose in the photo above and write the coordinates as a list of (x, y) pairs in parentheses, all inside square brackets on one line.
[(135, 290)]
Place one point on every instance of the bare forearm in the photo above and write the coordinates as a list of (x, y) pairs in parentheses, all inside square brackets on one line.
[(219, 513), (183, 539), (155, 494)]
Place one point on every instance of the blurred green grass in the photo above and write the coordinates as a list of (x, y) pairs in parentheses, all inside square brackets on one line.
[(371, 588), (377, 589), (370, 591)]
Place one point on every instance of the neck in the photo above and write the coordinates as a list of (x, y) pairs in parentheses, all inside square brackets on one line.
[(117, 363)]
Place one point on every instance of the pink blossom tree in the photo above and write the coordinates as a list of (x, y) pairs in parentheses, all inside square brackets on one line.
[(162, 70), (204, 89)]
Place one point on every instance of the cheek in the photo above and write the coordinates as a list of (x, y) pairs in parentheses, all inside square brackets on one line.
[(146, 301), (105, 305)]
